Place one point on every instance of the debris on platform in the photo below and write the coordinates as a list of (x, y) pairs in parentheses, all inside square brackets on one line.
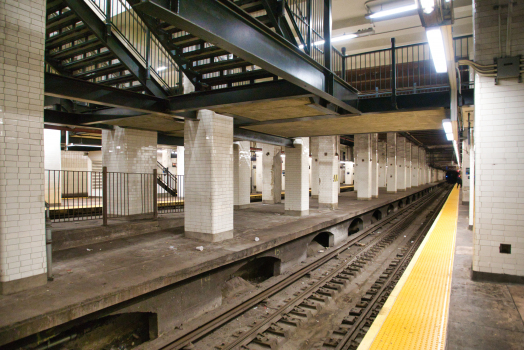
[(89, 249), (321, 251), (201, 248), (257, 239)]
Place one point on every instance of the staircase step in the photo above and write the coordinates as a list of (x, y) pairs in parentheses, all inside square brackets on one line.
[(76, 33), (105, 56), (78, 49), (238, 77), (98, 72), (57, 22), (221, 65)]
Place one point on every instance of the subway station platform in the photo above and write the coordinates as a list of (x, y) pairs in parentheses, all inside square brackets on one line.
[(436, 305), (98, 276)]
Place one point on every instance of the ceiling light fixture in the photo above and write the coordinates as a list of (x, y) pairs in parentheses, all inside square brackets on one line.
[(161, 68), (448, 129), (427, 6), (333, 40), (436, 47), (393, 11)]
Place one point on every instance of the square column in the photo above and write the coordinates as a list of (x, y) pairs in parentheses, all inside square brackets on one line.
[(382, 158), (401, 163), (424, 173), (363, 164), (208, 203), (374, 165), (22, 220), (241, 174), (465, 173), (328, 172), (314, 166), (131, 152), (392, 163), (414, 166), (408, 165), (297, 178), (272, 174)]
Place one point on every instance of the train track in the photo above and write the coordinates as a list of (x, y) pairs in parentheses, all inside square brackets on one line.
[(342, 265)]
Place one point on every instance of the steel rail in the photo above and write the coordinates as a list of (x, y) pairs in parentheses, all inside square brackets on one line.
[(215, 323), (345, 342), (246, 337)]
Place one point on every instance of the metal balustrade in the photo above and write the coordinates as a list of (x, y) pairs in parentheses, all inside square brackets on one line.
[(371, 72), (90, 195), (130, 28)]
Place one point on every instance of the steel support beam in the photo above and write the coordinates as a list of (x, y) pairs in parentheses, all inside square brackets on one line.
[(229, 27), (80, 90), (254, 136), (98, 27), (65, 118), (273, 90)]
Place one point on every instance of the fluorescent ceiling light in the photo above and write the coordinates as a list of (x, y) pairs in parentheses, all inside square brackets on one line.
[(161, 68), (83, 145), (333, 40), (394, 11), (427, 5), (449, 137), (446, 123), (436, 46)]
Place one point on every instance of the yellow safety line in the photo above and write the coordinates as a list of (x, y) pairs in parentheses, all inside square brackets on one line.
[(415, 314)]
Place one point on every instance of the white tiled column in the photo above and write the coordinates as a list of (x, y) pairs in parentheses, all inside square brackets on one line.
[(22, 223), (464, 173), (401, 163), (328, 172), (208, 203), (241, 174), (382, 157), (132, 152), (297, 178), (314, 166), (180, 170), (374, 165), (415, 170), (363, 166), (392, 163), (272, 174), (422, 165), (408, 165)]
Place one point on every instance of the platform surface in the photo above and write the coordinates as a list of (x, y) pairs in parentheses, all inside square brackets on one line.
[(415, 314), (97, 276)]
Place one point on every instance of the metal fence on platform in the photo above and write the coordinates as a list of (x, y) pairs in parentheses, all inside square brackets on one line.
[(372, 72), (74, 195)]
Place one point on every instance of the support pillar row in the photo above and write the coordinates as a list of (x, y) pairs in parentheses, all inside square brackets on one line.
[(363, 164), (297, 178), (392, 163)]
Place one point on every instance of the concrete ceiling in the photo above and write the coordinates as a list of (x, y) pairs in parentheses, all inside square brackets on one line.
[(427, 119)]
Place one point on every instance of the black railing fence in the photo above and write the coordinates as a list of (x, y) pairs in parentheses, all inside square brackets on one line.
[(130, 28), (88, 195), (371, 72)]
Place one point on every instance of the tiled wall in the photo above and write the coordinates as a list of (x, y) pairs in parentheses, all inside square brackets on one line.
[(382, 151), (401, 163), (297, 171), (363, 164), (499, 149), (22, 225), (414, 166), (328, 172), (133, 152), (272, 174), (392, 162), (241, 173), (374, 165), (408, 165), (313, 144), (208, 144)]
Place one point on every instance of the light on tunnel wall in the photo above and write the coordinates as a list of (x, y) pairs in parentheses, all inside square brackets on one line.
[(446, 123), (393, 11), (436, 47)]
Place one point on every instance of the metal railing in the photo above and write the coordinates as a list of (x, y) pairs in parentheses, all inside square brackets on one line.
[(371, 72), (133, 32), (171, 191), (307, 18), (89, 195)]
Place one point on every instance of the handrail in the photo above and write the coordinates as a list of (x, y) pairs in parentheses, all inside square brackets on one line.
[(135, 34)]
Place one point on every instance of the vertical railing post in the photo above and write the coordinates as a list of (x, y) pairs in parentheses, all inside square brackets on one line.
[(328, 19), (309, 39), (108, 17), (105, 195), (148, 54), (393, 75), (155, 194), (344, 63)]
